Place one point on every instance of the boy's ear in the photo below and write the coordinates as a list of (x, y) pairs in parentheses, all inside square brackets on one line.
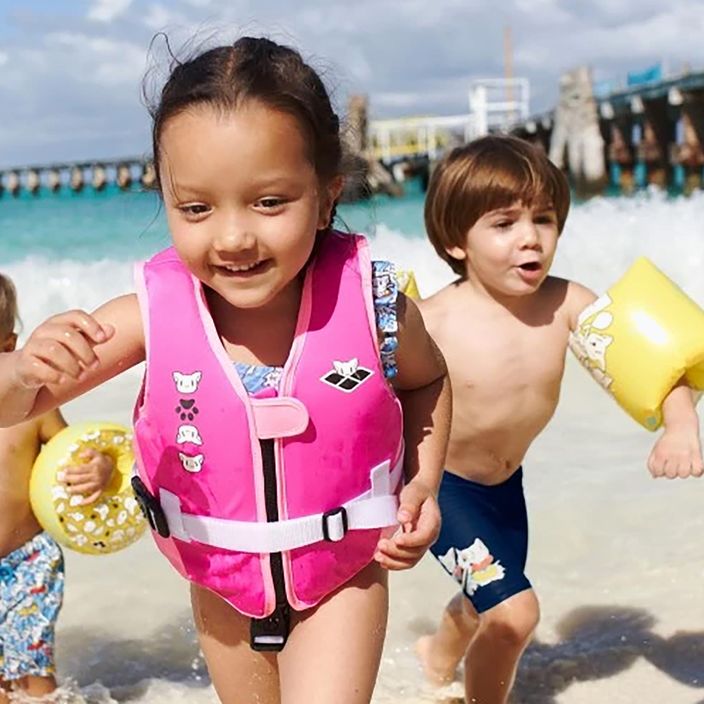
[(9, 343), (456, 252)]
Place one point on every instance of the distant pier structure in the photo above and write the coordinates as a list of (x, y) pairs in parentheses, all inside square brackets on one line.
[(76, 176), (648, 134)]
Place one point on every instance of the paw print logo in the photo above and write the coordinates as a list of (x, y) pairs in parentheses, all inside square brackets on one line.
[(186, 409)]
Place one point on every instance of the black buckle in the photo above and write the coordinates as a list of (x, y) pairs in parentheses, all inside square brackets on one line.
[(339, 511), (151, 508), (270, 634)]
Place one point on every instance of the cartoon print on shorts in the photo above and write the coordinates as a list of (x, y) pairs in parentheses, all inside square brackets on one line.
[(191, 464), (473, 566), (31, 593), (589, 341)]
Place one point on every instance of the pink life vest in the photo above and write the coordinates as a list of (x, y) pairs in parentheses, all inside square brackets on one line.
[(332, 436)]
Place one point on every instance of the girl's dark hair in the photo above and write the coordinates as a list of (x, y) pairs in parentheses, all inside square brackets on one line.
[(254, 68)]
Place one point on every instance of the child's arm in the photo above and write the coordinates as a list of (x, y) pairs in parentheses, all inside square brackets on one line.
[(677, 452), (88, 478), (424, 390), (66, 356)]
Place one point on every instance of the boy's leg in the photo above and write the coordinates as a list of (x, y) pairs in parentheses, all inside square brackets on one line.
[(492, 657), (33, 686), (334, 650), (483, 545), (240, 675), (441, 652)]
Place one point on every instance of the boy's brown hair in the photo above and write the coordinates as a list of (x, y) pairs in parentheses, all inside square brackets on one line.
[(487, 174), (8, 307)]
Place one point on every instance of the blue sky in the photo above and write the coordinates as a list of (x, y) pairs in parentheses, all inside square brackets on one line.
[(71, 70)]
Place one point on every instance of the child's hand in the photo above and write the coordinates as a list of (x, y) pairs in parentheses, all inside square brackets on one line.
[(60, 347), (89, 478), (677, 453), (419, 516)]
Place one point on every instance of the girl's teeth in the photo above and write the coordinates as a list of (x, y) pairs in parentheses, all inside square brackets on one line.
[(242, 268)]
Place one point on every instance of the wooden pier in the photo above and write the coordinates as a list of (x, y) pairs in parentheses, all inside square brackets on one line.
[(649, 134), (131, 172)]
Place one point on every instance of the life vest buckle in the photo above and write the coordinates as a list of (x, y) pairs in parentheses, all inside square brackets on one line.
[(151, 508), (335, 524), (270, 634)]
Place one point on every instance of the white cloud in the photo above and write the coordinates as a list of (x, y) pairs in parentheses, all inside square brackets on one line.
[(108, 10), (75, 78), (159, 16)]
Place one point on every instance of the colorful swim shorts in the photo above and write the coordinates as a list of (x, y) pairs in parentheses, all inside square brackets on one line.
[(31, 593), (483, 542)]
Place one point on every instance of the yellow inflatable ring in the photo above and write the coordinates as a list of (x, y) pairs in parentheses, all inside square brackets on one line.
[(640, 339), (114, 520), (407, 283)]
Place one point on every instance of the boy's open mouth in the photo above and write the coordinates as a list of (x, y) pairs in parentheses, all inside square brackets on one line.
[(530, 266)]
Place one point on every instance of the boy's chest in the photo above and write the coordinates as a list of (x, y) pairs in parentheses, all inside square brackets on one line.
[(507, 354)]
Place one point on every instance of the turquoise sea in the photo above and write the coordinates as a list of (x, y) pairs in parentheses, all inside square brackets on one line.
[(125, 225)]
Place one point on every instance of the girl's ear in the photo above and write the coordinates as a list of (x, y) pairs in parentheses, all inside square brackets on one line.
[(329, 197)]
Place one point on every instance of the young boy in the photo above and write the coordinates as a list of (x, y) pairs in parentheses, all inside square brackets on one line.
[(494, 211), (31, 563)]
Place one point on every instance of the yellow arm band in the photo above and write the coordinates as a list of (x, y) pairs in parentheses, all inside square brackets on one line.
[(639, 339)]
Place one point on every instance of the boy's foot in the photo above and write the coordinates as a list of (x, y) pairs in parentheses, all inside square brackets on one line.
[(438, 670)]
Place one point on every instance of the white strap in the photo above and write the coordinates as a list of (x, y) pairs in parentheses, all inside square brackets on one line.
[(376, 508)]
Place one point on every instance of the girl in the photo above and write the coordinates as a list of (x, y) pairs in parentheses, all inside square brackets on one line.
[(270, 442)]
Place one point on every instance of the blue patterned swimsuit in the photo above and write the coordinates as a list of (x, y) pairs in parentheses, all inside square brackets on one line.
[(31, 593), (257, 377)]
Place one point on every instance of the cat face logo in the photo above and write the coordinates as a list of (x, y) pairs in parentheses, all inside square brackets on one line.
[(191, 464), (346, 376), (188, 433), (187, 383)]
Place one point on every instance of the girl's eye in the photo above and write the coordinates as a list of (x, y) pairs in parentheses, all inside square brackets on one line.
[(194, 209), (503, 224)]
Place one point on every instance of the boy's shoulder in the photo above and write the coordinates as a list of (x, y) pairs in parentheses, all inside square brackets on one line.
[(569, 296), (438, 305)]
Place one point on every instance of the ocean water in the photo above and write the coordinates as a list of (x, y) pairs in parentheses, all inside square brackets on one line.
[(616, 558)]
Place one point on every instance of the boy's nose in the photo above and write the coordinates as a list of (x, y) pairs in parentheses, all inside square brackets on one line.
[(530, 238)]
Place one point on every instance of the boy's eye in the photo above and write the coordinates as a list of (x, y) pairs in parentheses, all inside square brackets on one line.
[(545, 219)]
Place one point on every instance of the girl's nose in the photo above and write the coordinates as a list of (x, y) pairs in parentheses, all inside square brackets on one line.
[(234, 236)]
